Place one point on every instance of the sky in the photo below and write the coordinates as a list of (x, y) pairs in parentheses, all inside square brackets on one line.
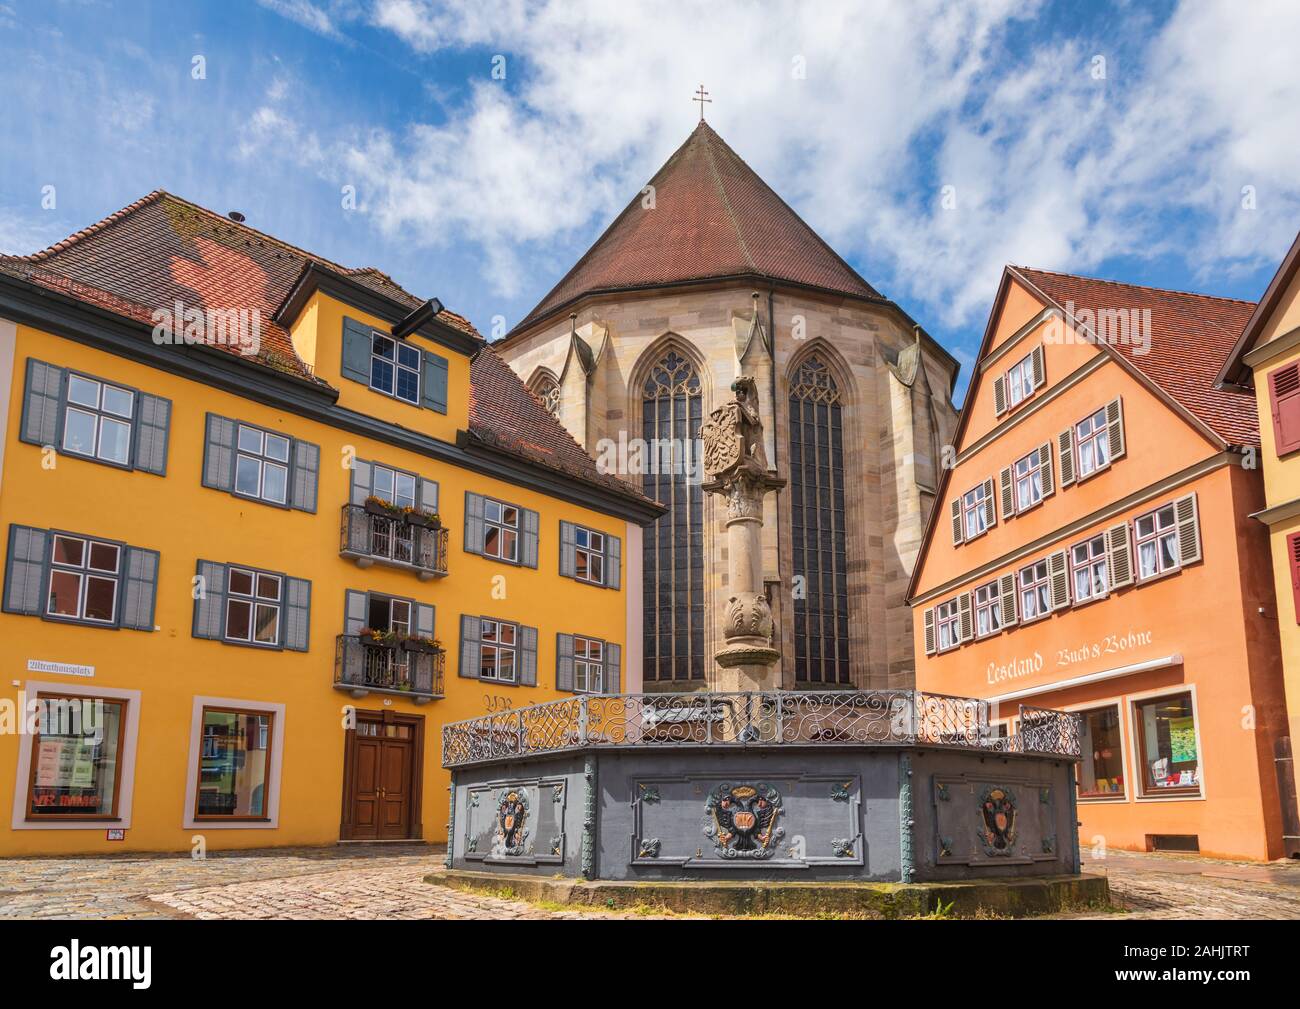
[(475, 150)]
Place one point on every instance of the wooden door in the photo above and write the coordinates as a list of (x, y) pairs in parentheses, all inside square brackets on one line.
[(381, 778)]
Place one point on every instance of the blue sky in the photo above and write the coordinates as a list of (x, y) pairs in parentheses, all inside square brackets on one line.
[(1105, 138)]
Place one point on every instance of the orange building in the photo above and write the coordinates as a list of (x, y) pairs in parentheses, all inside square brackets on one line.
[(1091, 549)]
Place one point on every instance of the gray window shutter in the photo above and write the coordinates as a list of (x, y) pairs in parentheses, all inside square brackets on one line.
[(354, 611), (568, 550), (1065, 449), (1189, 529), (25, 570), (356, 351), (613, 562), (965, 622), (564, 662), (434, 380), (141, 589), (210, 606), (297, 614), (1058, 572), (219, 453), (1119, 569), (1037, 363), (990, 504), (360, 482), (531, 527), (41, 406), (1045, 464), (1008, 489), (613, 660), (930, 647), (1007, 600), (428, 495), (528, 656), (471, 629), (306, 475), (957, 530), (1115, 428), (1000, 395), (153, 420), (424, 620), (473, 523)]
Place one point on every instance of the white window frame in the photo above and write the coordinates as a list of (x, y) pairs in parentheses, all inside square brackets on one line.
[(262, 459), (1034, 469), (255, 602), (1157, 534), (590, 544), (947, 617), (1020, 381), (985, 599), (83, 572), (100, 414), (378, 340), (1090, 563), (1098, 437), (588, 665), (506, 530), (974, 509), (1034, 587), (499, 648)]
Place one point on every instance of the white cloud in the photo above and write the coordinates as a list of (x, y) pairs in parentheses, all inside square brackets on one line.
[(311, 16)]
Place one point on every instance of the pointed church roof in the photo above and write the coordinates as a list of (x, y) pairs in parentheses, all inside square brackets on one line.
[(713, 218)]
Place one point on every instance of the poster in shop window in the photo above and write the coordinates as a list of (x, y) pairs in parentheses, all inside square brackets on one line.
[(1182, 740)]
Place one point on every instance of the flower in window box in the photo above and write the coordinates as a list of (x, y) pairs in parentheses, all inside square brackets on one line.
[(415, 643), (418, 517), (385, 509)]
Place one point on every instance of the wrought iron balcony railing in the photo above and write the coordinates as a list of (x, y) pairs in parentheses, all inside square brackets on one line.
[(362, 667), (777, 718), (369, 539)]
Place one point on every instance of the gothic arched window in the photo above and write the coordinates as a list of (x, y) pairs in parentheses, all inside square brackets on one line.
[(547, 390), (673, 548), (821, 610)]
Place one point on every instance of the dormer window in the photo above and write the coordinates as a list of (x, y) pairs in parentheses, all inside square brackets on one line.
[(395, 369)]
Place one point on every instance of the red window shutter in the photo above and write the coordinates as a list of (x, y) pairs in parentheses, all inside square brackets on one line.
[(1284, 397), (1293, 561)]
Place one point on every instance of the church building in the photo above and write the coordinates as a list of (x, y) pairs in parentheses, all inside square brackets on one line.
[(705, 275)]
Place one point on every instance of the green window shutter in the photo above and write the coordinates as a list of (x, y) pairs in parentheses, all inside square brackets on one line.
[(356, 351), (25, 564), (528, 656), (613, 562), (140, 594), (361, 478), (434, 382), (210, 606), (306, 475), (297, 614), (473, 523), (42, 406), (568, 550), (531, 527), (219, 453), (613, 659), (471, 629), (153, 420), (564, 662)]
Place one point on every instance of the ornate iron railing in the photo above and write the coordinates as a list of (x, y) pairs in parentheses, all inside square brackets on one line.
[(794, 718), (381, 539), (361, 666)]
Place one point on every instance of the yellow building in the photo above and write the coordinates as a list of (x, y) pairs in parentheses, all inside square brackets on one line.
[(268, 523), (1267, 357)]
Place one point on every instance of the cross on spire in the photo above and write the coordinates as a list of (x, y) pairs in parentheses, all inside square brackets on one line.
[(701, 96)]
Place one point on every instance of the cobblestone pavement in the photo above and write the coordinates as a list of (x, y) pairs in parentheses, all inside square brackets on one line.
[(387, 882)]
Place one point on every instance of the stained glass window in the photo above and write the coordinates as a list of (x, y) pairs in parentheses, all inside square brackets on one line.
[(821, 597), (673, 548)]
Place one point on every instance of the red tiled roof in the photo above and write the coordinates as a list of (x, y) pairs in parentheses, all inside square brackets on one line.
[(162, 248), (1191, 337), (713, 217)]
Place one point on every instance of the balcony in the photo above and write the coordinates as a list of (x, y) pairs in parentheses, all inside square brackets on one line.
[(362, 667), (369, 537)]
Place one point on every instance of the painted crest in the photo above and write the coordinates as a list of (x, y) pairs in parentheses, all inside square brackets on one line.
[(742, 820), (512, 814), (998, 820)]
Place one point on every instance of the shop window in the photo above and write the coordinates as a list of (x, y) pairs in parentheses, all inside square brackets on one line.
[(77, 755), (1168, 746), (234, 765), (1101, 769)]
